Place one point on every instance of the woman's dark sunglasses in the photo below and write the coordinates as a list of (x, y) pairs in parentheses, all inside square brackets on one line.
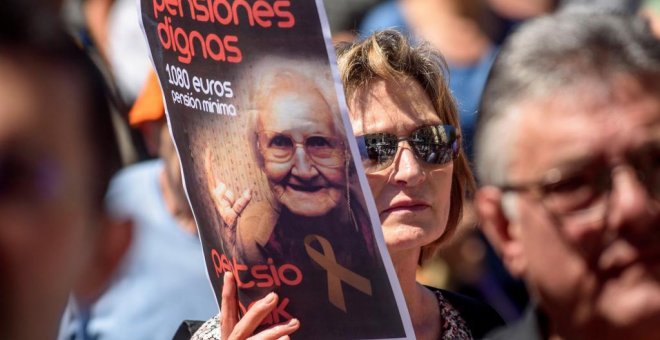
[(437, 144)]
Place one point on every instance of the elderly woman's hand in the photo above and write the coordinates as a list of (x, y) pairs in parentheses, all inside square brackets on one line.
[(231, 328), (226, 205)]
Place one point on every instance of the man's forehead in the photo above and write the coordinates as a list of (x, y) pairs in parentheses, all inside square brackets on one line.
[(619, 106), (573, 124)]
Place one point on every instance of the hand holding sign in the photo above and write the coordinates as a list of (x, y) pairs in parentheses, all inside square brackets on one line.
[(230, 326)]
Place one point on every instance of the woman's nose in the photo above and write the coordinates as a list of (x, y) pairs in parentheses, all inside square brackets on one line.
[(302, 165), (407, 169)]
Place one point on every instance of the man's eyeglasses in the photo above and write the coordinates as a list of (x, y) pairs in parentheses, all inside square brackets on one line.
[(436, 144), (280, 147), (584, 195)]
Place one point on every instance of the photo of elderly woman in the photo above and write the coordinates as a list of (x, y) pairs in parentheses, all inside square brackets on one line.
[(313, 220)]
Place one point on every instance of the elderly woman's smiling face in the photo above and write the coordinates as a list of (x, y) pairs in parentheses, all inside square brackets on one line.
[(412, 197), (304, 159)]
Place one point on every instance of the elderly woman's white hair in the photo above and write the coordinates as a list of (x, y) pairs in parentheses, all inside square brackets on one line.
[(275, 73)]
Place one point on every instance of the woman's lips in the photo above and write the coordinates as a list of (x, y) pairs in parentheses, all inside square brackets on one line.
[(305, 188), (403, 207)]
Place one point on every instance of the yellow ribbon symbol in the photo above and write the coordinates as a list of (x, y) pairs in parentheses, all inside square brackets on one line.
[(336, 273)]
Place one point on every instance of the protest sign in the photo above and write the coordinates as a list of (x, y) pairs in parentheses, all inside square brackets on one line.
[(259, 120)]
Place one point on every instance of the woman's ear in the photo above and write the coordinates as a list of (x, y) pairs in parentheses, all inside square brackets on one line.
[(501, 227), (111, 244)]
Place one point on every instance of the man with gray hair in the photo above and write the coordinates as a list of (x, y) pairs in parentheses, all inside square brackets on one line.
[(568, 151)]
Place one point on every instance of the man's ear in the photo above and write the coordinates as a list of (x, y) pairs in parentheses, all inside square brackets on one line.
[(502, 232), (112, 243)]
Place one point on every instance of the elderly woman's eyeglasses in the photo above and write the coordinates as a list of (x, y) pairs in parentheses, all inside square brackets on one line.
[(436, 144), (280, 147), (583, 196)]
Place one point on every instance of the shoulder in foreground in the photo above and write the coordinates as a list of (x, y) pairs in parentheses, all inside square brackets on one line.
[(199, 330)]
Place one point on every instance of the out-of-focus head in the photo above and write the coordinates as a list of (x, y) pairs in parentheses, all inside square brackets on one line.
[(298, 137), (57, 153), (650, 9), (568, 143), (521, 9), (612, 6), (396, 89), (148, 115)]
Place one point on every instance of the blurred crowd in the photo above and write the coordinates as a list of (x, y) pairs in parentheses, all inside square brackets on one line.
[(91, 198)]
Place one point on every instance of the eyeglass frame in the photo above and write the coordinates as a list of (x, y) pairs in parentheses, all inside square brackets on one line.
[(297, 144), (540, 189)]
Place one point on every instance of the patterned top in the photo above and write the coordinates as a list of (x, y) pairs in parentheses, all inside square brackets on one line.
[(453, 325), (210, 330)]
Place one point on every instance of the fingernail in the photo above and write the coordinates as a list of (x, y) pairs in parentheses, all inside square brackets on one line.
[(293, 323), (270, 297), (228, 276)]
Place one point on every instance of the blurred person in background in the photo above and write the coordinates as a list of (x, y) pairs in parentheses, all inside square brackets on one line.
[(127, 50), (650, 9), (568, 145), (511, 13), (95, 16), (111, 27), (520, 10), (344, 17), (619, 6), (111, 30), (57, 154), (110, 33), (163, 279)]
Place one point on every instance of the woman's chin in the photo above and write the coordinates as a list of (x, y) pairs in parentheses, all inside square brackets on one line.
[(405, 237)]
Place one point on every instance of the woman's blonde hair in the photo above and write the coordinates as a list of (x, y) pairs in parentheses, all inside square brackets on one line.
[(389, 55)]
